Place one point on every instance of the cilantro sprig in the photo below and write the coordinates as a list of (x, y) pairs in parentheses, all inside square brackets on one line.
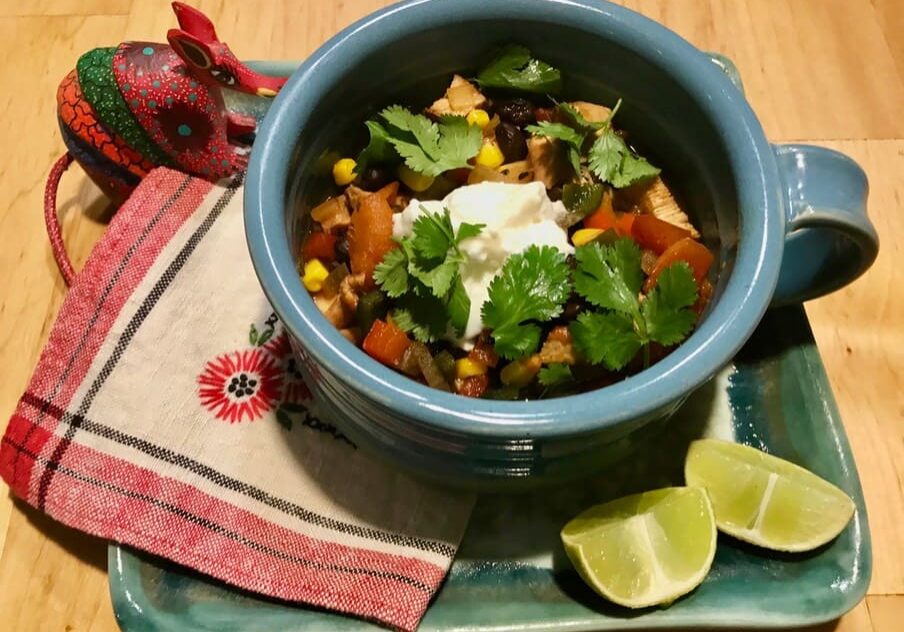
[(423, 273), (610, 277), (515, 69), (608, 157), (426, 147), (531, 286)]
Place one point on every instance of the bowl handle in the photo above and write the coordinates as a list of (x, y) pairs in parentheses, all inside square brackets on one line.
[(829, 240)]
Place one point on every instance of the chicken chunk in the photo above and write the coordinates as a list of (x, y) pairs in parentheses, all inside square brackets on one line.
[(460, 99), (654, 197), (332, 214), (548, 161), (350, 290), (591, 111)]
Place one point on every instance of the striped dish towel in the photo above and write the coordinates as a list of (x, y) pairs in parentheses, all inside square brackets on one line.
[(166, 413)]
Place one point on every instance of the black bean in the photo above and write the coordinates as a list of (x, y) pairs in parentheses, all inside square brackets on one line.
[(372, 178), (518, 112), (511, 141), (342, 247)]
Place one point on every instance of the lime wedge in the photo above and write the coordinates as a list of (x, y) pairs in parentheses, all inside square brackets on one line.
[(644, 549), (765, 500)]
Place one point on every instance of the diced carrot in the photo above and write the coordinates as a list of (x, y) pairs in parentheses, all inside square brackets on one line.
[(695, 254), (370, 236), (602, 218), (319, 246), (385, 342), (624, 224), (389, 192), (653, 233)]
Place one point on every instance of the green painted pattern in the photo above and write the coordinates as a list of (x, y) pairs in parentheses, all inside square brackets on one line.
[(95, 74)]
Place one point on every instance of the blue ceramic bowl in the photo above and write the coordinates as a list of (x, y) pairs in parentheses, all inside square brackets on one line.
[(787, 222)]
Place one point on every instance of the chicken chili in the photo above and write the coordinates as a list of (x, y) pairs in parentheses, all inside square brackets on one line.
[(503, 244)]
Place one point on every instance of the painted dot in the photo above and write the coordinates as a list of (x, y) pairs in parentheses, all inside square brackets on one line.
[(126, 87), (169, 100), (147, 50), (174, 85), (152, 104), (192, 96), (213, 160), (143, 92), (184, 130), (224, 162), (165, 67), (134, 103), (193, 84), (156, 84), (122, 66)]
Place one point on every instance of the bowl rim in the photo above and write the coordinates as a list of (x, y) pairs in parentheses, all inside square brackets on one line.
[(732, 319)]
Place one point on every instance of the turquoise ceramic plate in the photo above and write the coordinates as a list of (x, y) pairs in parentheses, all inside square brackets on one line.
[(511, 573)]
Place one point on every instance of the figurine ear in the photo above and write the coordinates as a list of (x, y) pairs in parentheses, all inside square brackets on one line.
[(190, 48), (195, 23)]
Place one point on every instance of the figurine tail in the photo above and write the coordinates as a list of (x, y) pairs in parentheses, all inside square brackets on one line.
[(52, 220)]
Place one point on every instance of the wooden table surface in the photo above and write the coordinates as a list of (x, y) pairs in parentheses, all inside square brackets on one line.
[(829, 72)]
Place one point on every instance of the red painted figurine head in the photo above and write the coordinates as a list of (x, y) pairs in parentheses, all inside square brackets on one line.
[(211, 60)]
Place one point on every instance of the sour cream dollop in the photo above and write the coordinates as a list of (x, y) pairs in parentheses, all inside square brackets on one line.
[(515, 216)]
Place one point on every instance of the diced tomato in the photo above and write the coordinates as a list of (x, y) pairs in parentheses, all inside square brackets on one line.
[(458, 176), (543, 114), (370, 236), (319, 246), (703, 298), (653, 233), (695, 254), (484, 352), (473, 386), (385, 342), (389, 192)]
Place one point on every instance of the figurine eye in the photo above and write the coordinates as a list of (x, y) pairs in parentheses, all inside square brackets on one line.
[(223, 76)]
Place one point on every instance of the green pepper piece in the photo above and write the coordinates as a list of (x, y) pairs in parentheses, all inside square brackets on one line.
[(372, 306), (582, 199), (446, 364)]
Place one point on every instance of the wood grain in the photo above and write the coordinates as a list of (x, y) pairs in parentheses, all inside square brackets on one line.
[(827, 71)]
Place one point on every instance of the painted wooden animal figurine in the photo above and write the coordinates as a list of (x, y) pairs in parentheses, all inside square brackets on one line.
[(125, 110)]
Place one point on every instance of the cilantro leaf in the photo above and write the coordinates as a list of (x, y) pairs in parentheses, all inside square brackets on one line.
[(391, 273), (532, 286), (554, 374), (432, 234), (424, 317), (379, 149), (608, 337), (666, 310), (459, 307), (427, 147), (579, 119), (611, 160), (514, 68), (633, 169), (610, 276), (466, 231), (574, 140)]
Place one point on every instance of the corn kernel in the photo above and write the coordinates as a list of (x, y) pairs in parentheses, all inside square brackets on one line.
[(315, 273), (466, 367), (520, 372), (478, 117), (415, 181), (490, 156), (585, 236), (344, 171)]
